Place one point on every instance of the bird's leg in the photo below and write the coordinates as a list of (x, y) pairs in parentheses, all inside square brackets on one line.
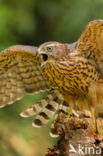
[(99, 128), (70, 101), (94, 110), (93, 100), (100, 98), (69, 112), (93, 114)]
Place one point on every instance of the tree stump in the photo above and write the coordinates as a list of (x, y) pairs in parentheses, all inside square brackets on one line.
[(79, 137)]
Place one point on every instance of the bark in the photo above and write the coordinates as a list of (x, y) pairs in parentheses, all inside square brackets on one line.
[(78, 132)]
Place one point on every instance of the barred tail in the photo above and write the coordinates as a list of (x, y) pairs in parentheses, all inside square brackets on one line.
[(46, 114), (53, 130), (44, 109), (63, 108)]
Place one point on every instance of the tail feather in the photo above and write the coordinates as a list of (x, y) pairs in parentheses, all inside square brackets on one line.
[(36, 108), (45, 108), (46, 114), (63, 108), (53, 105), (53, 131)]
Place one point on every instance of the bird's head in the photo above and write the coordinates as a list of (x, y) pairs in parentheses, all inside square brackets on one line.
[(51, 50)]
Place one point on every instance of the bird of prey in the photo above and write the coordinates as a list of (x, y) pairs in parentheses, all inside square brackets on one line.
[(73, 74)]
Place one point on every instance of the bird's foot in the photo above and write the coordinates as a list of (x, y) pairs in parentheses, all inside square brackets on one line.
[(69, 113), (99, 127)]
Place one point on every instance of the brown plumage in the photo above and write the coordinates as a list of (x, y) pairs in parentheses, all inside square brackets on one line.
[(71, 72), (90, 44), (73, 75), (20, 72)]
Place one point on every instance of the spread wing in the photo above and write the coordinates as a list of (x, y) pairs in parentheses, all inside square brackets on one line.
[(20, 72), (90, 43)]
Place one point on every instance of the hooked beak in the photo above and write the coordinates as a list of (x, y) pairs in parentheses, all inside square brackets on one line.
[(40, 52)]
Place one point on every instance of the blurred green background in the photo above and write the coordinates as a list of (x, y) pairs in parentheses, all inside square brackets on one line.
[(32, 23)]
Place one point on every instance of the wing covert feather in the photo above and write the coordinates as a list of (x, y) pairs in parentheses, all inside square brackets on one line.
[(20, 72)]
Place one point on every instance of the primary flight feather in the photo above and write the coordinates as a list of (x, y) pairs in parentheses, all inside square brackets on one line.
[(73, 74)]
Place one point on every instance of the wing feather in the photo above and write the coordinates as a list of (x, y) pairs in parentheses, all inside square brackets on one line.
[(20, 72)]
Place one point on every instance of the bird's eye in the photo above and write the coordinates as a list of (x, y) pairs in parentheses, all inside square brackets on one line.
[(49, 49)]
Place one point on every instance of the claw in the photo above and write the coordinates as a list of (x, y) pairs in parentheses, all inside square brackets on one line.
[(69, 113)]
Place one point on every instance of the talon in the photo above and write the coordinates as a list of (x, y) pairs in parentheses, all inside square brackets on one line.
[(70, 112), (99, 128)]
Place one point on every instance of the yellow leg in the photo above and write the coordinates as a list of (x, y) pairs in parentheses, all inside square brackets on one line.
[(69, 113), (99, 128), (98, 124), (61, 113), (93, 116)]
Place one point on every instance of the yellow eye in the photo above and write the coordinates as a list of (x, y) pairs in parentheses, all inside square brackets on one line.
[(49, 49)]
